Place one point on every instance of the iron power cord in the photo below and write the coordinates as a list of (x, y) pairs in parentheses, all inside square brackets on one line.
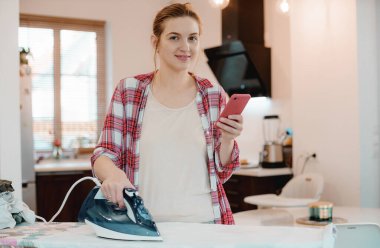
[(95, 180)]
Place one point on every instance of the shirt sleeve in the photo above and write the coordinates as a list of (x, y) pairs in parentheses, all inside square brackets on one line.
[(111, 141), (225, 171)]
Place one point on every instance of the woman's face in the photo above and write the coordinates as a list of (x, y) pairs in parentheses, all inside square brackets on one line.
[(178, 47)]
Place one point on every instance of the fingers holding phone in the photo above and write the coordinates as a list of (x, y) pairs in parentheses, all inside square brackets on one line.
[(230, 127), (231, 120)]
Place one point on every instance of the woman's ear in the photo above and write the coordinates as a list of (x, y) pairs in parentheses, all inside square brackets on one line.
[(154, 41)]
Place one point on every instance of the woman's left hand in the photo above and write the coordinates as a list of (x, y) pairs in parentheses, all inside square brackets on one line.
[(231, 127)]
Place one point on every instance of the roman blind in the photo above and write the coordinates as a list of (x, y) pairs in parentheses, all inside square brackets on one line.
[(68, 79)]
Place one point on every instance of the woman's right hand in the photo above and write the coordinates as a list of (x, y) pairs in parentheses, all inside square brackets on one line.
[(113, 186)]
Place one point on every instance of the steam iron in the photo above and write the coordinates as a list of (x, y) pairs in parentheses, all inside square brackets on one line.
[(109, 221)]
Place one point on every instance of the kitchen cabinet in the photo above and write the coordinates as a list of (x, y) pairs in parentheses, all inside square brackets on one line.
[(52, 189), (254, 182), (54, 179), (244, 20)]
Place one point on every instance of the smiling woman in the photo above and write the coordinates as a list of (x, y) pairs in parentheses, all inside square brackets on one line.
[(164, 26), (162, 135)]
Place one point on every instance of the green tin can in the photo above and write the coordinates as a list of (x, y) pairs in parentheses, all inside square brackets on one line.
[(321, 211)]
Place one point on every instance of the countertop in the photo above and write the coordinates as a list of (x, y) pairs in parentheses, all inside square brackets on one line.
[(57, 165), (360, 228), (288, 216), (175, 235), (84, 163), (262, 172)]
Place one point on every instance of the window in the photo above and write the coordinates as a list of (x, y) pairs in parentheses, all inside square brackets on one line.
[(68, 81)]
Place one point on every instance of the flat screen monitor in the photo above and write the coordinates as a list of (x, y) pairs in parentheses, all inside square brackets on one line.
[(234, 70)]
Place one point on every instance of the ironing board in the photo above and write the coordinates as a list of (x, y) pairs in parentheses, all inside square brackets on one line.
[(175, 235)]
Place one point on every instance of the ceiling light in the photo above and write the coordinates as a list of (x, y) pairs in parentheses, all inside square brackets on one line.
[(284, 6), (221, 4)]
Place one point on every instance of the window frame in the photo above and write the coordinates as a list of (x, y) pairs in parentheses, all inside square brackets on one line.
[(57, 24)]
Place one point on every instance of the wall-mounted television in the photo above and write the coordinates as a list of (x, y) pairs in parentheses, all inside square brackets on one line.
[(235, 71)]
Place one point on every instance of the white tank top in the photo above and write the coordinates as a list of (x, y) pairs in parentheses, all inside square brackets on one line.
[(173, 176)]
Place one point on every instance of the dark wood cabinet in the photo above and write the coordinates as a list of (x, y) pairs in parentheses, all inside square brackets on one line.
[(52, 188), (238, 187), (244, 20)]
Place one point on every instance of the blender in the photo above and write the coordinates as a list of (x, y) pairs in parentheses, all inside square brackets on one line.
[(272, 154)]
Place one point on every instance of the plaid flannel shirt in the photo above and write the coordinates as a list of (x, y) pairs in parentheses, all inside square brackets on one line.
[(120, 136)]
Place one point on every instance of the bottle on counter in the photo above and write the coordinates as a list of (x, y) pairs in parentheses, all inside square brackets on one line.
[(57, 152)]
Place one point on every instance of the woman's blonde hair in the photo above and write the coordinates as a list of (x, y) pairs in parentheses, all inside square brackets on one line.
[(172, 11)]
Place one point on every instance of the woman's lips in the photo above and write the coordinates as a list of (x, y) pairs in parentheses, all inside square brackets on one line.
[(183, 58)]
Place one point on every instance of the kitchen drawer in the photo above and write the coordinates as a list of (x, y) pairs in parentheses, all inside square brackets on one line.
[(52, 188), (238, 187), (234, 183), (237, 204)]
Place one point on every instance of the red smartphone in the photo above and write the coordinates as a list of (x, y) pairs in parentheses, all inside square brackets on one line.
[(235, 105)]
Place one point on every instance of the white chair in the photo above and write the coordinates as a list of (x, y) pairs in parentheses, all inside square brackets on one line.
[(298, 192)]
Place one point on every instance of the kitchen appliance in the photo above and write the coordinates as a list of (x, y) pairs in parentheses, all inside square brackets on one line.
[(109, 221), (272, 154), (232, 66)]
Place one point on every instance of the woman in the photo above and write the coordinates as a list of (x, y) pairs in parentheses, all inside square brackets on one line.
[(161, 134)]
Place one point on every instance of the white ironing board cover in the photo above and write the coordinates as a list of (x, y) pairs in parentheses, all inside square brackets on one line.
[(175, 235)]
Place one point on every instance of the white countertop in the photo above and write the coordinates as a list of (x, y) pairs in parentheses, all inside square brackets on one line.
[(288, 216), (261, 172), (84, 163), (360, 230), (58, 165)]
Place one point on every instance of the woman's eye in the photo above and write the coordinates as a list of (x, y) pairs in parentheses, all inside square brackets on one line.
[(193, 38), (173, 38)]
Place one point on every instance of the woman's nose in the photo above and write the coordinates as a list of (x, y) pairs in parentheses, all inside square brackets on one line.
[(185, 45)]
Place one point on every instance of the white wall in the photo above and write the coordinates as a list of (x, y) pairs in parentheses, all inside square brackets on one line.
[(325, 100), (378, 60), (10, 149), (277, 37), (368, 18)]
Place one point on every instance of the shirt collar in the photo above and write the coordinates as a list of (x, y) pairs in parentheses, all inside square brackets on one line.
[(146, 79)]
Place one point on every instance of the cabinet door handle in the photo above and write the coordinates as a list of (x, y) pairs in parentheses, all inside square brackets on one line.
[(233, 180), (234, 205), (231, 192)]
